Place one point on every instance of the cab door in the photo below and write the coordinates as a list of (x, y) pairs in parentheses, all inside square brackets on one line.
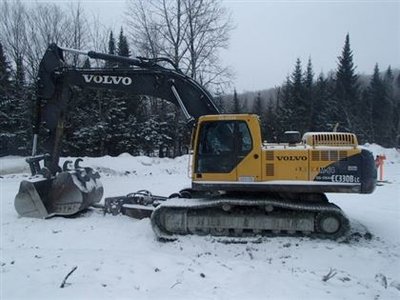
[(249, 151)]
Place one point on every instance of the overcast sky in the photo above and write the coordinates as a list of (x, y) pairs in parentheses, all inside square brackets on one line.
[(270, 36)]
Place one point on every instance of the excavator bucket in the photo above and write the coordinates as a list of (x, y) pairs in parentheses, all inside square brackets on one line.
[(66, 194)]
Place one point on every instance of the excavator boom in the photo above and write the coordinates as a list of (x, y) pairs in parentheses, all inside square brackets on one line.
[(65, 191)]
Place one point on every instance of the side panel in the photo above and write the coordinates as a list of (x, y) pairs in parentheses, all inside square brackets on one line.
[(286, 164)]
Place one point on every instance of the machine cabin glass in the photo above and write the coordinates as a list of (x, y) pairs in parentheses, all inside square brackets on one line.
[(222, 145)]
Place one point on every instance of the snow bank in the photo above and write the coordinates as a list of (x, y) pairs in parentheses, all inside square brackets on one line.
[(124, 164), (13, 165), (392, 155)]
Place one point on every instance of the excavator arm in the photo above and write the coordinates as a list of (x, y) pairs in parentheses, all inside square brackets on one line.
[(141, 77), (65, 191)]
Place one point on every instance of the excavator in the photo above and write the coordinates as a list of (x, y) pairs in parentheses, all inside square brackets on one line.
[(241, 186)]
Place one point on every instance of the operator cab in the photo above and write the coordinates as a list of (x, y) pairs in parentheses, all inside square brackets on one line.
[(222, 143)]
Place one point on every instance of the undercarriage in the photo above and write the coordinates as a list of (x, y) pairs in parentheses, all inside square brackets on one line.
[(234, 215)]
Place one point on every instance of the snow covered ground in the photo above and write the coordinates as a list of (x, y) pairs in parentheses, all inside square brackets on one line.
[(118, 257)]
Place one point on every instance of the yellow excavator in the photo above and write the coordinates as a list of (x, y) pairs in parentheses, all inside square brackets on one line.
[(241, 186)]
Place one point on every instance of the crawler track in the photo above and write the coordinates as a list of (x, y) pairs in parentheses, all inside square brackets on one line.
[(243, 218)]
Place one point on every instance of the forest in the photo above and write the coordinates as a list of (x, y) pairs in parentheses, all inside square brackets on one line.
[(191, 34)]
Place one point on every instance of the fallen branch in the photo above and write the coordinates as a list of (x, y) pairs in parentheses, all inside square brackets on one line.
[(176, 283), (330, 275), (66, 277)]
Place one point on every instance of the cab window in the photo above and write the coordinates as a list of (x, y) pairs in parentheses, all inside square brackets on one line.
[(222, 145)]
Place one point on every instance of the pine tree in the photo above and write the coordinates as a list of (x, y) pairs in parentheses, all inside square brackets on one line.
[(18, 111), (123, 47), (309, 98), (388, 81), (5, 74), (5, 104), (297, 106), (347, 91), (111, 50), (244, 108), (257, 105), (284, 107), (270, 125), (236, 109), (86, 64), (389, 77), (381, 110), (398, 81), (111, 43), (322, 108), (396, 116), (19, 77), (117, 128), (5, 77), (219, 100), (368, 127)]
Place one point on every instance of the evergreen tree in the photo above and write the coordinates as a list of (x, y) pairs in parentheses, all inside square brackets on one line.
[(85, 133), (397, 100), (284, 107), (347, 91), (236, 109), (301, 110), (309, 98), (5, 74), (86, 64), (123, 47), (111, 43), (322, 106), (5, 104), (258, 109), (219, 100), (245, 106), (117, 127), (270, 125), (257, 105), (17, 108), (111, 50), (388, 81), (296, 108), (368, 127), (388, 77), (398, 81), (19, 77), (381, 110), (5, 77)]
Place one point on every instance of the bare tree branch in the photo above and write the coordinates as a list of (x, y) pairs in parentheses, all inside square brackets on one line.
[(189, 32)]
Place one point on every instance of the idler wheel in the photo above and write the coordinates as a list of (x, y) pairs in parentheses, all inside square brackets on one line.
[(328, 223)]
